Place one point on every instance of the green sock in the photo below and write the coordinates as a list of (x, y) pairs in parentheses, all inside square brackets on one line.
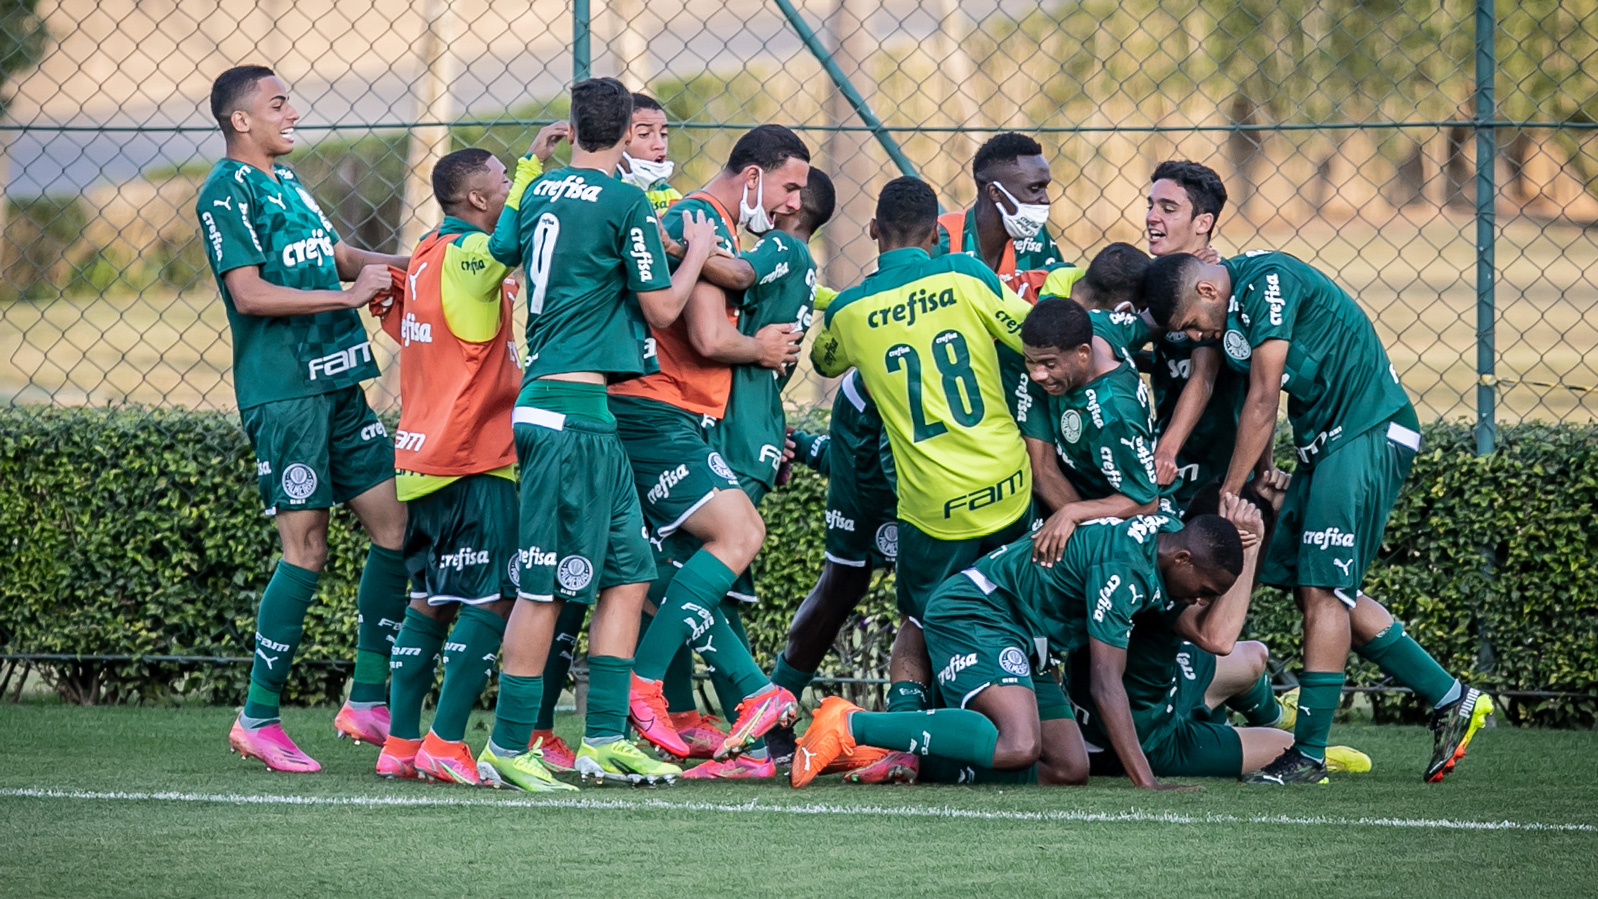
[(380, 606), (725, 650), (1402, 659), (469, 656), (568, 626), (515, 711), (1319, 695), (686, 612), (279, 624), (960, 735), (786, 675), (609, 678), (906, 696), (939, 770), (411, 666), (678, 684), (1258, 704)]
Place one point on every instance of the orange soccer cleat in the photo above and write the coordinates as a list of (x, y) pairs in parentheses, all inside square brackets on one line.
[(398, 758), (824, 741)]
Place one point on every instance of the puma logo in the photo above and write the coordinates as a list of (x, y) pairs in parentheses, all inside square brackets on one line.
[(708, 647), (266, 658), (278, 201), (1346, 566), (808, 756), (225, 203), (413, 276)]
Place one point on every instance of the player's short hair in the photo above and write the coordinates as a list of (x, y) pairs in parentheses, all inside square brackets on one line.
[(1116, 275), (451, 172), (1001, 148), (229, 90), (602, 113), (1058, 322), (642, 100), (1214, 543), (1207, 501), (818, 201), (1167, 281), (907, 210), (768, 146), (1204, 188)]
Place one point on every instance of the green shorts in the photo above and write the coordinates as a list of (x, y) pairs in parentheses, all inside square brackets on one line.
[(579, 511), (975, 644), (676, 549), (862, 509), (315, 452), (674, 470), (1188, 747), (460, 541), (928, 561), (1331, 523), (1195, 670)]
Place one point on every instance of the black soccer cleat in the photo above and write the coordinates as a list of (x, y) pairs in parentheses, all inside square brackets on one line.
[(1291, 767), (1452, 727), (780, 742)]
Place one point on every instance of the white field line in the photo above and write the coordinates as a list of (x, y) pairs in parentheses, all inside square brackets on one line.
[(768, 808)]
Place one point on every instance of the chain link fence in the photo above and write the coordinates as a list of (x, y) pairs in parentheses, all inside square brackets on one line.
[(1437, 159)]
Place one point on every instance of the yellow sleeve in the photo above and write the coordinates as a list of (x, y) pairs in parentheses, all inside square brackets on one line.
[(1059, 281), (528, 168), (828, 354), (824, 295), (1003, 316), (471, 284)]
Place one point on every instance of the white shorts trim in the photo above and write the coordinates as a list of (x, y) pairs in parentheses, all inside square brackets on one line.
[(1403, 436), (849, 390), (536, 597), (475, 601), (986, 586), (743, 597), (973, 694), (666, 530), (543, 418), (419, 594), (852, 563)]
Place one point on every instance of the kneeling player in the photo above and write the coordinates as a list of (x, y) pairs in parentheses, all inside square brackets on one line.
[(990, 624)]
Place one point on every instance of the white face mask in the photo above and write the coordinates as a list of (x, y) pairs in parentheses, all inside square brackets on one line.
[(1027, 219), (754, 217), (644, 173)]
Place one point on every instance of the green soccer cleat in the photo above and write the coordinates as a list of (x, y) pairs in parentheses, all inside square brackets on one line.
[(621, 760), (518, 772), (1291, 767), (1452, 727)]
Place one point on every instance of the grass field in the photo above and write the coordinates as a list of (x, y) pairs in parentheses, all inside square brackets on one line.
[(147, 802)]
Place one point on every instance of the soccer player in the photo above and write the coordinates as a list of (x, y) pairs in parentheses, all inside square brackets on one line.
[(1113, 281), (991, 627), (751, 436), (1291, 329), (596, 273), (922, 331), (456, 460), (643, 162), (299, 356), (683, 482), (1196, 428)]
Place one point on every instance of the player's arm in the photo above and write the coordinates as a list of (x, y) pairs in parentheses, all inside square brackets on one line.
[(828, 355), (1216, 626), (1206, 364), (1058, 282), (1117, 443), (662, 306), (253, 295), (713, 336), (1048, 544), (351, 261), (1256, 427), (1048, 482), (811, 449), (1107, 664)]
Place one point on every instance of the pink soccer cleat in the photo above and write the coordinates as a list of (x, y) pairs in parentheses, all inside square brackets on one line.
[(646, 709), (737, 768), (362, 725), (757, 714), (272, 746)]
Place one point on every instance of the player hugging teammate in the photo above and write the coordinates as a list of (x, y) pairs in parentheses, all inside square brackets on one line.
[(1076, 547)]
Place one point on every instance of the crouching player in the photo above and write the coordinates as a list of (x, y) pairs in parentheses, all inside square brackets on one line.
[(992, 626)]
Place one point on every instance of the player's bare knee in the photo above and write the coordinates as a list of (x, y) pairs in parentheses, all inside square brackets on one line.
[(1054, 772), (1256, 654), (1017, 750)]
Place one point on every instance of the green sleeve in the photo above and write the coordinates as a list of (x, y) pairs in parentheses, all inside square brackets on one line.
[(1116, 591), (1124, 449), (1033, 416), (812, 450), (224, 211), (1270, 300), (642, 249)]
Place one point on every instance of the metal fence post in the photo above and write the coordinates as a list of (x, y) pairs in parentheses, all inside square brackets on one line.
[(1486, 157), (845, 87), (582, 34)]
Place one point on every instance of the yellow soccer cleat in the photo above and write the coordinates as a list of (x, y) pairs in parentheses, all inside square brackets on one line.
[(518, 772), (1347, 760), (1288, 703), (621, 760)]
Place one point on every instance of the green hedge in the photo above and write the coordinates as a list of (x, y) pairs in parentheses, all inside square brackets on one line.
[(138, 532)]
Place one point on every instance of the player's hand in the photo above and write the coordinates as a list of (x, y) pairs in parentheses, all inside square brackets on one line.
[(1048, 544), (697, 230), (1272, 484), (674, 249), (779, 346), (1173, 788), (789, 448), (548, 136), (1164, 468), (1208, 255), (1246, 517), (373, 281)]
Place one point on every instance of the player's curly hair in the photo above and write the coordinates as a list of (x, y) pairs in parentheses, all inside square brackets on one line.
[(451, 172), (819, 200), (768, 146), (999, 148), (1214, 543), (1058, 322), (907, 210), (1204, 188), (229, 90), (1115, 276), (1207, 501), (602, 111), (1165, 284)]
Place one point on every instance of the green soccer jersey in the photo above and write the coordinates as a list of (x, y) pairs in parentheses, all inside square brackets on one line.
[(725, 238), (1103, 432), (271, 221), (1152, 656), (750, 435), (1125, 332), (1338, 379), (1217, 426), (921, 331), (1108, 574), (585, 240)]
